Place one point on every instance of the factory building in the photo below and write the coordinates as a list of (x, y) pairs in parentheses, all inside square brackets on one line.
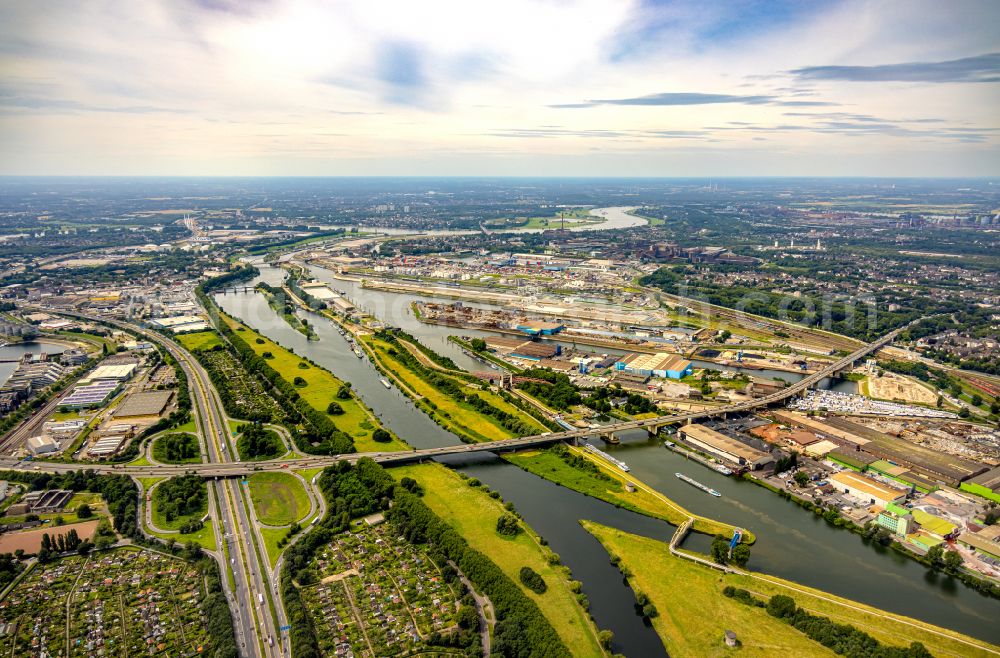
[(720, 445), (539, 328), (897, 524), (866, 489), (661, 364)]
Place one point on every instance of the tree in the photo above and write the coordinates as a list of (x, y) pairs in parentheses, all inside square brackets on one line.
[(84, 511), (977, 399), (720, 549), (801, 478), (334, 409), (605, 637), (940, 401), (344, 392), (781, 606), (935, 555), (741, 555), (725, 335), (508, 526), (953, 561), (532, 580), (964, 412), (381, 436), (478, 344), (298, 381)]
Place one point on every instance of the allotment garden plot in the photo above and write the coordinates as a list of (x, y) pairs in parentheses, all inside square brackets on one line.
[(379, 595), (123, 602)]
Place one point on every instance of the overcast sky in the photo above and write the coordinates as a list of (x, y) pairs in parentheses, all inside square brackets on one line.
[(500, 87)]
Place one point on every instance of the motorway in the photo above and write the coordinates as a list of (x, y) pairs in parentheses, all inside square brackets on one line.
[(251, 602)]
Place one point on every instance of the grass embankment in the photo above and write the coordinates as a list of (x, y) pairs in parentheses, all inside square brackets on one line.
[(199, 340), (644, 500), (320, 389), (278, 498), (186, 444), (473, 514), (684, 592), (460, 418)]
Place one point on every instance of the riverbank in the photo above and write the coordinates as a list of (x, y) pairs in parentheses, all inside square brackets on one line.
[(611, 485), (473, 512), (686, 629), (455, 415)]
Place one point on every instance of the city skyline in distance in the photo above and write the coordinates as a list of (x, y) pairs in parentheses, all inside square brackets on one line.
[(630, 89)]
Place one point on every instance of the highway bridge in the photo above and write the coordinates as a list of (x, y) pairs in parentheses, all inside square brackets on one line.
[(651, 425)]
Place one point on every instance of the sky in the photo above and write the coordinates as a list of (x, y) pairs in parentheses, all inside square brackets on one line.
[(500, 88)]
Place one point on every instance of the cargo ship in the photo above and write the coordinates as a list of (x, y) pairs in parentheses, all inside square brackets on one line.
[(695, 483), (597, 451)]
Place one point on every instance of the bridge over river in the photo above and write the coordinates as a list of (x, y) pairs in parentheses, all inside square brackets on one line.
[(651, 425)]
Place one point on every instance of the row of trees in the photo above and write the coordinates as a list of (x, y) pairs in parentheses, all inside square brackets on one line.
[(842, 639), (317, 435)]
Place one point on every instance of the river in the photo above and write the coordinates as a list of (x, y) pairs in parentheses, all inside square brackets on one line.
[(791, 543)]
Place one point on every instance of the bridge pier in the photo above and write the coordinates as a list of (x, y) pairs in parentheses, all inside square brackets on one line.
[(653, 432), (610, 438)]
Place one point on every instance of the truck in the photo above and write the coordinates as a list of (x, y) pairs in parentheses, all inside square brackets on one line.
[(260, 599)]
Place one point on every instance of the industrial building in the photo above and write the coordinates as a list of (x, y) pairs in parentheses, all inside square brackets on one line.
[(539, 328), (897, 524), (144, 403), (91, 395), (42, 445), (866, 489), (661, 364), (119, 372), (720, 445)]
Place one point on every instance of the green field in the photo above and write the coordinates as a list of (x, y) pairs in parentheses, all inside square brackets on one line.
[(644, 500), (458, 417), (271, 538), (204, 537), (199, 340), (278, 498), (684, 591), (473, 514), (320, 389)]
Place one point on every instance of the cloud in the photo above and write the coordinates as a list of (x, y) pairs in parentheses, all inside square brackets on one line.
[(679, 99), (400, 66), (981, 68)]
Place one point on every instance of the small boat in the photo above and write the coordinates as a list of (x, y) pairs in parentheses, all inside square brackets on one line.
[(699, 485), (385, 382), (723, 469), (358, 353)]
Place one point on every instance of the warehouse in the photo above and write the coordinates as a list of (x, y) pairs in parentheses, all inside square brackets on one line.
[(865, 489), (723, 446), (146, 403), (661, 364), (823, 430), (91, 395), (119, 372)]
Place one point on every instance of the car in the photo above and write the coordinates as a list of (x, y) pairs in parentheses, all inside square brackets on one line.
[(284, 466)]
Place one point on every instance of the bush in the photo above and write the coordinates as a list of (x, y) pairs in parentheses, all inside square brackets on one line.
[(298, 381), (381, 436), (532, 580), (334, 409), (84, 511)]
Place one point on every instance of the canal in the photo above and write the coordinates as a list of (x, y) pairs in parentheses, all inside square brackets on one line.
[(791, 543)]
